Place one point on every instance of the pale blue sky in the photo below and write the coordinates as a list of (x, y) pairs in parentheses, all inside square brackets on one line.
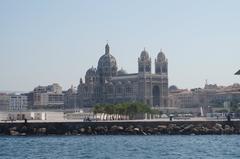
[(48, 41)]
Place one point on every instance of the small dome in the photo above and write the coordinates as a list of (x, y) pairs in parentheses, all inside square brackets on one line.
[(71, 90), (91, 72), (121, 72), (144, 55), (173, 88), (161, 56), (236, 85)]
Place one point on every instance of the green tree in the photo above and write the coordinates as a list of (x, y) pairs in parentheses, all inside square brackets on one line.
[(130, 108)]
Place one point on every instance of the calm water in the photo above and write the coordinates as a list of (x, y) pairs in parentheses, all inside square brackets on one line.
[(118, 147)]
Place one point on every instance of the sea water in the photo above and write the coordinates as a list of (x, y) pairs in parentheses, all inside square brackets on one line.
[(119, 147)]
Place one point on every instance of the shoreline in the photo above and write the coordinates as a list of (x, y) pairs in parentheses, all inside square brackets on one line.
[(147, 127)]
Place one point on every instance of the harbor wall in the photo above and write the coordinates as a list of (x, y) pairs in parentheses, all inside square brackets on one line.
[(121, 128)]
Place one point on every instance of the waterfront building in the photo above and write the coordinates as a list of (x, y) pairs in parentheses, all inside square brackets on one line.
[(70, 98), (17, 102), (4, 102), (13, 102), (30, 99), (228, 94), (107, 84), (210, 96), (183, 98), (48, 96)]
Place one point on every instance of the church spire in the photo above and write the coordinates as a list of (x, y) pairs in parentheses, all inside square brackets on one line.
[(107, 49)]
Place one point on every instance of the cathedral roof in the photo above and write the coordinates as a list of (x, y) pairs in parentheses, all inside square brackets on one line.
[(173, 88), (107, 60), (91, 71), (144, 55), (161, 56), (121, 72)]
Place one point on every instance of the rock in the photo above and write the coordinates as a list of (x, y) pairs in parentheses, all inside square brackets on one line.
[(195, 131), (14, 133), (40, 130), (206, 130), (129, 129), (82, 130), (215, 130), (101, 130), (218, 126), (189, 127), (113, 128), (155, 130), (74, 132), (34, 130), (149, 130), (89, 130), (24, 129), (227, 127), (43, 130), (173, 129), (120, 128), (116, 129), (171, 126), (136, 129), (13, 128), (162, 127), (68, 133)]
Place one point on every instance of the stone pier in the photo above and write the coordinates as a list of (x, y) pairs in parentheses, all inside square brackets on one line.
[(121, 128)]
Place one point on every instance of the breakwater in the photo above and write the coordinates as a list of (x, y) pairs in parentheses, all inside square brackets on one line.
[(121, 128)]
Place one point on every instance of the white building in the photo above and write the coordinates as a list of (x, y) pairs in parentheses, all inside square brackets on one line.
[(13, 102), (50, 96), (4, 101), (17, 102)]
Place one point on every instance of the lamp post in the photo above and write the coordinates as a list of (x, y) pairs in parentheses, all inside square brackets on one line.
[(75, 99)]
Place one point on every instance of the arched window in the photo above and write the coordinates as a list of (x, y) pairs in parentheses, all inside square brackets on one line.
[(156, 96)]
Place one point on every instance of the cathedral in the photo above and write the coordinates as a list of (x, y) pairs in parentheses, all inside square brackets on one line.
[(106, 84)]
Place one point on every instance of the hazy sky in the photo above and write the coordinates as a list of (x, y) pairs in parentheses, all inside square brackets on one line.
[(48, 41)]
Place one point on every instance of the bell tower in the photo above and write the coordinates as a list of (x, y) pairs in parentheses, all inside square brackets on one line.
[(161, 64), (144, 62)]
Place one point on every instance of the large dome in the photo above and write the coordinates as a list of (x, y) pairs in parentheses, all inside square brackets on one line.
[(107, 64), (107, 60)]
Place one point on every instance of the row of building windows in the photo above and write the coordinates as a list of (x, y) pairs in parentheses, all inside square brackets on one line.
[(110, 91)]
